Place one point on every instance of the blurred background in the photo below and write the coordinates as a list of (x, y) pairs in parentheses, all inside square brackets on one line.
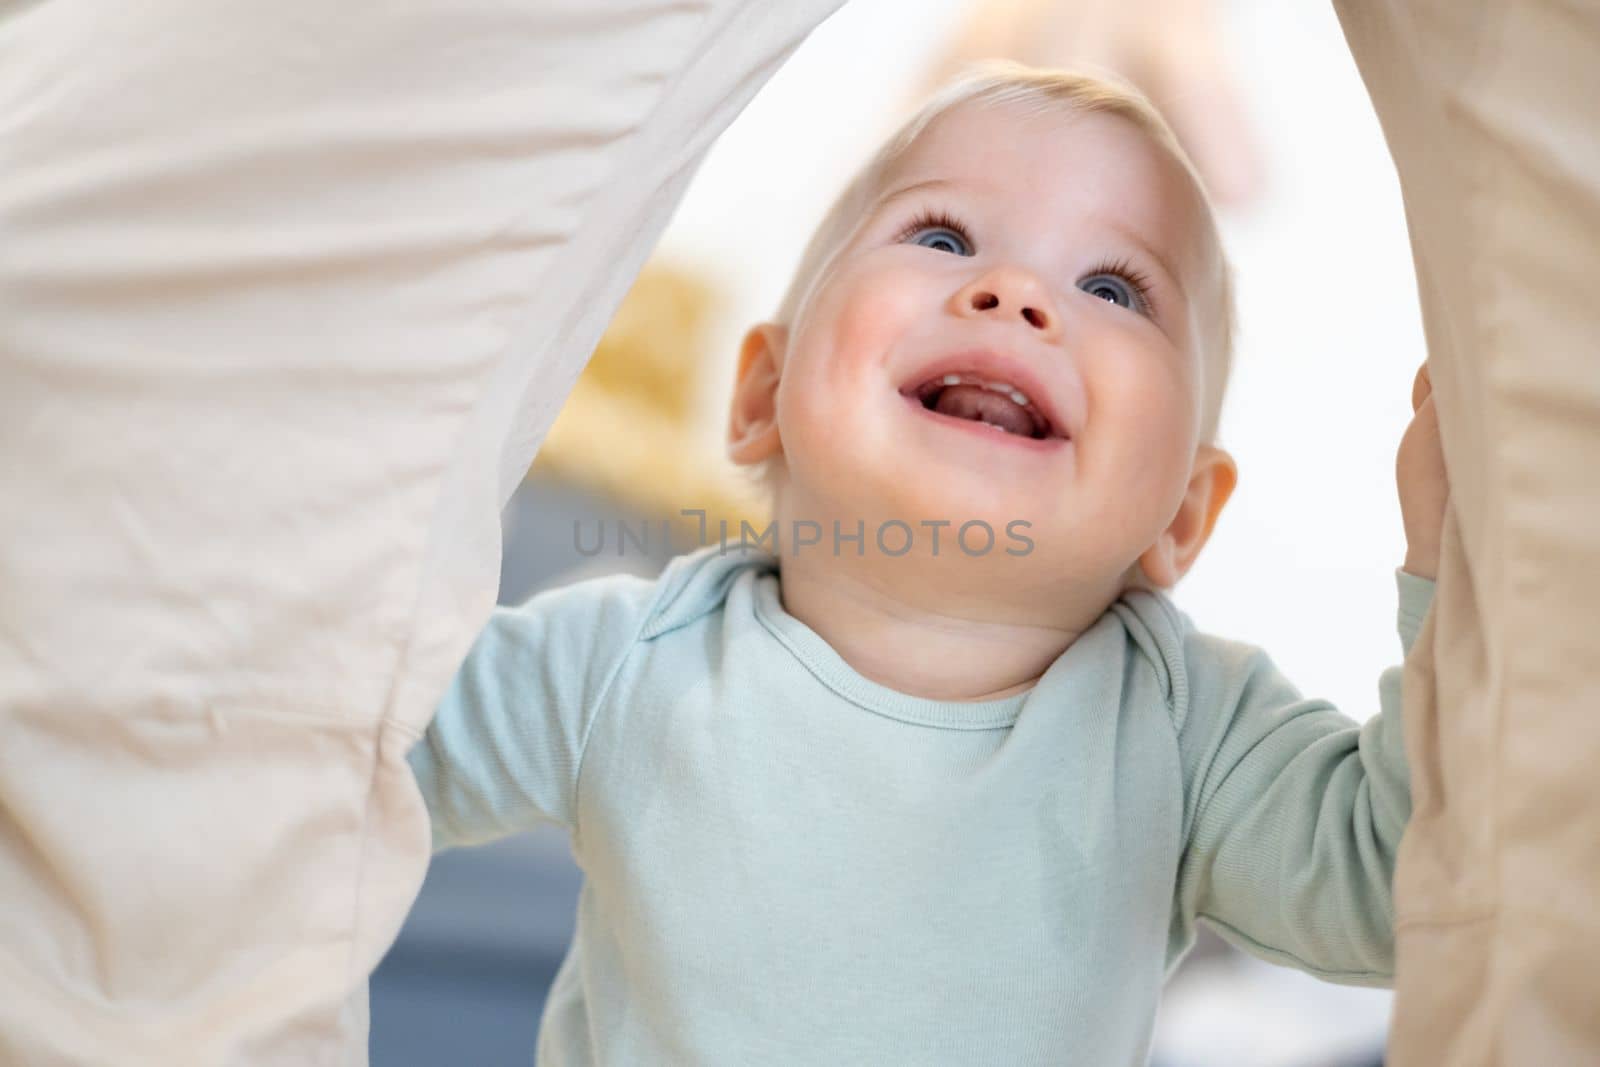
[(1269, 103)]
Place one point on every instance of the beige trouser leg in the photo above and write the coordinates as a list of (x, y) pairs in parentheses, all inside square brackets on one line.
[(1492, 111), (289, 293)]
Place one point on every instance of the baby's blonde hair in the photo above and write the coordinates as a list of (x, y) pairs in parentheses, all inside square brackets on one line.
[(1001, 82)]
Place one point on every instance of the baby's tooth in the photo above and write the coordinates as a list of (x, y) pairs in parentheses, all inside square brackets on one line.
[(1011, 392)]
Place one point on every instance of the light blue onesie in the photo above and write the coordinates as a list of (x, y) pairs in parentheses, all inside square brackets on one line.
[(789, 864)]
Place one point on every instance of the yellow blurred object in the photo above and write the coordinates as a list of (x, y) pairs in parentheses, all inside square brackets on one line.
[(627, 428)]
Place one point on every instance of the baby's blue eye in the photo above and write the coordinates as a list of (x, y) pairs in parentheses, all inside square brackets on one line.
[(1110, 288), (942, 239)]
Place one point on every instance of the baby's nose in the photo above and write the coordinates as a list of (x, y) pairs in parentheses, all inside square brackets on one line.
[(1009, 293)]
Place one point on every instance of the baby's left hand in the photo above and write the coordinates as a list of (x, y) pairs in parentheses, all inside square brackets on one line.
[(1424, 485)]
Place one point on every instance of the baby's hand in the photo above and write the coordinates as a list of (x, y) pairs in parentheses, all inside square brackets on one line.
[(1424, 485)]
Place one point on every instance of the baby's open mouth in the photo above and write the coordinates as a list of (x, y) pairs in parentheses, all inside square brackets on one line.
[(991, 402)]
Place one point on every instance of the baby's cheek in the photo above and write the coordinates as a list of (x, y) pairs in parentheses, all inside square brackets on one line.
[(1141, 425), (815, 403), (1159, 392), (865, 333)]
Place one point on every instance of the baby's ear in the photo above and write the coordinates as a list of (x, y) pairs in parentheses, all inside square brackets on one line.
[(1211, 483), (753, 420)]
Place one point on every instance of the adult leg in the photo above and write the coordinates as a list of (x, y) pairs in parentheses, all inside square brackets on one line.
[(1492, 112), (289, 293)]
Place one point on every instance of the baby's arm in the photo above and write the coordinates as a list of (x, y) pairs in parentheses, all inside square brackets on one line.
[(1294, 813), (505, 747)]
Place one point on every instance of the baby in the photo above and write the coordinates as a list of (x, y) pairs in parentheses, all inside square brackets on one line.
[(904, 791)]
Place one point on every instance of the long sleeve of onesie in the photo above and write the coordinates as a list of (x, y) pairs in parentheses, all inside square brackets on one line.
[(1293, 812)]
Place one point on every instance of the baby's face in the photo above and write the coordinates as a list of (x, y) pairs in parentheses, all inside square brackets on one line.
[(1012, 332)]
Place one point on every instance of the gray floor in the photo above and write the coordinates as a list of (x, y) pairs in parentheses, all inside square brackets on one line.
[(465, 983)]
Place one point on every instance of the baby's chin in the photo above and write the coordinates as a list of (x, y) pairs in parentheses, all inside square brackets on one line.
[(947, 538), (1014, 580)]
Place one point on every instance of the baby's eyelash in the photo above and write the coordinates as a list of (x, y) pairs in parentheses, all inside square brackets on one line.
[(1136, 278), (935, 219)]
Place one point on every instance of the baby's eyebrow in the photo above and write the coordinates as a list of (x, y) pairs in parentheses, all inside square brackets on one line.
[(907, 190)]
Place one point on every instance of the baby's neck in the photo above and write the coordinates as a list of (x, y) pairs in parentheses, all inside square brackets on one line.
[(923, 642)]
